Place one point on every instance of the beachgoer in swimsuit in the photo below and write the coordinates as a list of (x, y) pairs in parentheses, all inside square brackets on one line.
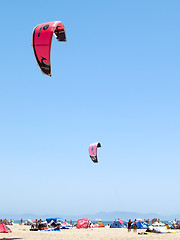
[(129, 225), (135, 226)]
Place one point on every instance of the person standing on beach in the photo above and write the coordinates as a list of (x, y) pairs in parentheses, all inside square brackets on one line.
[(148, 222), (135, 226), (129, 225), (36, 224)]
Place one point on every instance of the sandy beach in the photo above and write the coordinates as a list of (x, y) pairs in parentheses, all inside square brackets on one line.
[(22, 232)]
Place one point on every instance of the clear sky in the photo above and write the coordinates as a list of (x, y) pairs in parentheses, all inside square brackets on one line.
[(115, 81)]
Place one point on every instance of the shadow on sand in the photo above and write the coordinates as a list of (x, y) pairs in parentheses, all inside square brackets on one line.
[(10, 238)]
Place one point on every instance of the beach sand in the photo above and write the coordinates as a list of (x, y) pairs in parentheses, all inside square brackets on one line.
[(22, 232)]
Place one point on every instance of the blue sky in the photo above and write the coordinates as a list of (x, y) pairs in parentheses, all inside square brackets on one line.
[(115, 81)]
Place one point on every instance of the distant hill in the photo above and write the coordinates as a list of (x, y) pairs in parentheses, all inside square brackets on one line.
[(111, 216), (105, 216)]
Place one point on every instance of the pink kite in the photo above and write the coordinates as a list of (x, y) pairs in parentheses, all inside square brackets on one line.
[(4, 228), (82, 223), (93, 151), (41, 42)]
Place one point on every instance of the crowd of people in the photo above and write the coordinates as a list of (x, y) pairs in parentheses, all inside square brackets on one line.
[(7, 222), (176, 224), (134, 223), (36, 225), (131, 225)]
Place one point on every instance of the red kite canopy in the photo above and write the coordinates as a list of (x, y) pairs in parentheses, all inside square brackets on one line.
[(93, 151), (4, 228), (41, 42), (82, 223)]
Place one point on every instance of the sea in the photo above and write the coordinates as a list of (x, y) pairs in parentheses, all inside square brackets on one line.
[(106, 223)]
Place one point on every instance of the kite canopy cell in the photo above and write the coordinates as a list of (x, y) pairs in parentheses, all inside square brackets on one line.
[(41, 42), (93, 151)]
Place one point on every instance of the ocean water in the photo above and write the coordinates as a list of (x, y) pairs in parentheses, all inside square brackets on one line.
[(106, 223)]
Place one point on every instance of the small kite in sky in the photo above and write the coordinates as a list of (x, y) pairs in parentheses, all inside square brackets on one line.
[(93, 151)]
